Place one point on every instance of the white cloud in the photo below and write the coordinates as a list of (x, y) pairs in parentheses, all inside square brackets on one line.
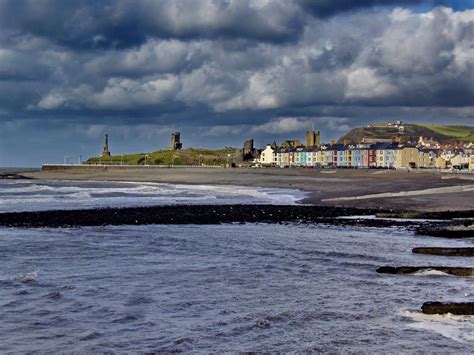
[(390, 59), (285, 125), (51, 101), (219, 131), (366, 83)]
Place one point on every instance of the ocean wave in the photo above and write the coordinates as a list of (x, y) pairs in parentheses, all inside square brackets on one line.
[(47, 195), (430, 272), (455, 327), (28, 277)]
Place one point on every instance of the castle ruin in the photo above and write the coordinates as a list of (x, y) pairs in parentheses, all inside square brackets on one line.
[(175, 141), (249, 151)]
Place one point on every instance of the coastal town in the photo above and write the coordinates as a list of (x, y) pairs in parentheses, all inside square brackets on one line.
[(390, 148), (393, 153)]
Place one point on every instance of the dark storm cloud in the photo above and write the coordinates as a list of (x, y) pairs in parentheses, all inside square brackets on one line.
[(389, 59), (92, 24), (228, 69), (325, 8)]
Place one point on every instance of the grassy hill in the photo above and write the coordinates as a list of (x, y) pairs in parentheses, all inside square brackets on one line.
[(172, 157), (412, 132), (461, 133)]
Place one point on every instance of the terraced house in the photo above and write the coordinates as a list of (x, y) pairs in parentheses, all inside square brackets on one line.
[(385, 155), (378, 155), (407, 156)]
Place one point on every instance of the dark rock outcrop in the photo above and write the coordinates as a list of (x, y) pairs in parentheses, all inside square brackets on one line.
[(461, 230), (456, 271), (13, 176), (466, 308), (468, 251), (442, 215), (193, 214)]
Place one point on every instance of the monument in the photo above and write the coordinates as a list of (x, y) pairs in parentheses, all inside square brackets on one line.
[(106, 152)]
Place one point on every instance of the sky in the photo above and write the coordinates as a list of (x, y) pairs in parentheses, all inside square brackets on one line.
[(223, 71)]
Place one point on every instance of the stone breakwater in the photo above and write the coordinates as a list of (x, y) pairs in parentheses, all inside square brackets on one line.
[(460, 229), (197, 214), (468, 251), (217, 214)]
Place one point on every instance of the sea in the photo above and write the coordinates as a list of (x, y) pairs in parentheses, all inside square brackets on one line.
[(215, 288)]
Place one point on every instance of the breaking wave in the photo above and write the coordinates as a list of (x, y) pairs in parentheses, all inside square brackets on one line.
[(48, 195), (454, 327), (430, 272)]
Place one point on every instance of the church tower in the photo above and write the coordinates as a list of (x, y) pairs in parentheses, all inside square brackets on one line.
[(313, 138)]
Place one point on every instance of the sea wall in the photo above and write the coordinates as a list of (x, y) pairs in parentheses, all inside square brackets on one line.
[(84, 168)]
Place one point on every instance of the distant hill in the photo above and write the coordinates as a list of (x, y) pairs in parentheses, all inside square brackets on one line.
[(412, 132)]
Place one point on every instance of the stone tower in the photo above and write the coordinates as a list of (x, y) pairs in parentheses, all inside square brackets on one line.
[(175, 141), (313, 138), (106, 152), (249, 150)]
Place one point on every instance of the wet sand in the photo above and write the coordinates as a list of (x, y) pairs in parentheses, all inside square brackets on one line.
[(399, 190)]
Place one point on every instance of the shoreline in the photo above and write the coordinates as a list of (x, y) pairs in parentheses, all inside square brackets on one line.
[(376, 189)]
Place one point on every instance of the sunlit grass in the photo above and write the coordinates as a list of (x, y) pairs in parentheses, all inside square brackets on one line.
[(170, 157)]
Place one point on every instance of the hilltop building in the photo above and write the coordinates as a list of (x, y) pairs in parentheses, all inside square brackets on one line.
[(175, 141), (105, 151)]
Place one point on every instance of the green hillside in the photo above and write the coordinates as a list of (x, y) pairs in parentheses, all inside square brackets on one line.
[(412, 132), (462, 133), (172, 157)]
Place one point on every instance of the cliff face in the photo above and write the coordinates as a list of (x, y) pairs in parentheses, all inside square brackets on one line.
[(412, 133)]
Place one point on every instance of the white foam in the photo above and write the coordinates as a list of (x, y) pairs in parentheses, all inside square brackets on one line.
[(31, 188), (454, 327), (90, 194), (29, 276), (395, 219), (430, 272)]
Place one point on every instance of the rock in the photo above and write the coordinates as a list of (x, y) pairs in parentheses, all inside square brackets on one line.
[(13, 176), (468, 251), (262, 323), (55, 295), (461, 230), (456, 271), (466, 308)]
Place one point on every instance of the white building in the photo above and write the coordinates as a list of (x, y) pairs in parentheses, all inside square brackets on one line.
[(460, 161), (268, 156)]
